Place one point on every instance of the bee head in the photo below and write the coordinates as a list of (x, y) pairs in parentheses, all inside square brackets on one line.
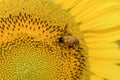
[(60, 40)]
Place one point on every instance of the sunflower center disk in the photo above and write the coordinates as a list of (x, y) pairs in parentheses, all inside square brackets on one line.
[(29, 51)]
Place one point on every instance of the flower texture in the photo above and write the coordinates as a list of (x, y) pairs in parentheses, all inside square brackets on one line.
[(59, 40)]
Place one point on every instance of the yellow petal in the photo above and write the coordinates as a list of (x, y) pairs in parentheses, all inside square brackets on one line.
[(105, 69), (103, 19), (104, 35), (102, 45), (83, 6), (110, 54), (104, 51), (87, 7), (94, 77)]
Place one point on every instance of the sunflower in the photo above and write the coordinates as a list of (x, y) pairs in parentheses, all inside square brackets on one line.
[(59, 40)]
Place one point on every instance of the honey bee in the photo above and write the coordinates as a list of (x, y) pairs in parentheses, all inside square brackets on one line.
[(69, 40)]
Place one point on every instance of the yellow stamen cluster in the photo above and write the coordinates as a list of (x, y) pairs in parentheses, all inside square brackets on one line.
[(28, 46)]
